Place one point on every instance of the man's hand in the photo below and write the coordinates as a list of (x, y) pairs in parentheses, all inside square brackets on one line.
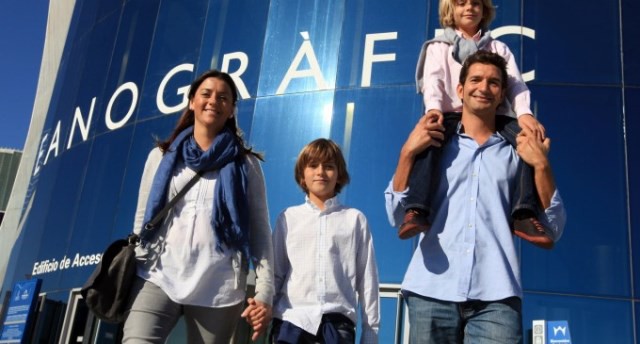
[(531, 123), (427, 132), (532, 149), (258, 316), (534, 152)]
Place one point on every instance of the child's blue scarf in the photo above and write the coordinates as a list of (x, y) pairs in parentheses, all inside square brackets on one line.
[(463, 48), (226, 154)]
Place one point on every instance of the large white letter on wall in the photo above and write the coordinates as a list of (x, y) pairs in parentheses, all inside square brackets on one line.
[(84, 126), (164, 108), (131, 87), (236, 76), (306, 49), (370, 57), (517, 30)]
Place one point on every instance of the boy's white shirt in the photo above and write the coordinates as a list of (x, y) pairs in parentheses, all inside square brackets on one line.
[(325, 263)]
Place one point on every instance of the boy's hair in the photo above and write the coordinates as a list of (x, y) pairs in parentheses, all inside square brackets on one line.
[(321, 151), (446, 14), (488, 58)]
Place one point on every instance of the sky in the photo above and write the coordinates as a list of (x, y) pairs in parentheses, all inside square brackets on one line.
[(22, 30)]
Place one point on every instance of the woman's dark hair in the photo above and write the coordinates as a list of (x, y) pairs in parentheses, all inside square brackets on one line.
[(187, 118)]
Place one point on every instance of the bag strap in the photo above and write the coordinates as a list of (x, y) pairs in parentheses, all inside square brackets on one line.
[(162, 213), (152, 225)]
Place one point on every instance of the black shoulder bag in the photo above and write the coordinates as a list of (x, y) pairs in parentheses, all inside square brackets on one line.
[(107, 290)]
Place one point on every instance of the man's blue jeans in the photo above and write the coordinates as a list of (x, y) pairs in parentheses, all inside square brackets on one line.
[(435, 321), (424, 177)]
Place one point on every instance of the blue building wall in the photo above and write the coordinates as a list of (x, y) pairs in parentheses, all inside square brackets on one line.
[(582, 60)]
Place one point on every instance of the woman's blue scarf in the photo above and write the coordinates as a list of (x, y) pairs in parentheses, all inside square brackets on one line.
[(230, 205)]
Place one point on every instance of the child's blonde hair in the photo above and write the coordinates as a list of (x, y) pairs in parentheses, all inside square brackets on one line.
[(447, 8), (321, 151)]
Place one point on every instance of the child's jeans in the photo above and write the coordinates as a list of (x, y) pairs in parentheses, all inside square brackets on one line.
[(424, 179)]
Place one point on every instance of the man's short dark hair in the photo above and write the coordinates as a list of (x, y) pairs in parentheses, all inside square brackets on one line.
[(485, 57)]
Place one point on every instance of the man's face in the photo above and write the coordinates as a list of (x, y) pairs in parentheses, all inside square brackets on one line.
[(482, 90)]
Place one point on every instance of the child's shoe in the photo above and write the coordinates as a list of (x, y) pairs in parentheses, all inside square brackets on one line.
[(415, 222), (531, 230)]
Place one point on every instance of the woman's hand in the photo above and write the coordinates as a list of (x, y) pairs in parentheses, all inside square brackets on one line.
[(258, 316)]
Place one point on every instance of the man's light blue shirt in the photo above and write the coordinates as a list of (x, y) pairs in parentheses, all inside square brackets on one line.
[(469, 252)]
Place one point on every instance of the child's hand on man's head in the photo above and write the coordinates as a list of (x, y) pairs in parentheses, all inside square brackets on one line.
[(527, 121), (532, 149)]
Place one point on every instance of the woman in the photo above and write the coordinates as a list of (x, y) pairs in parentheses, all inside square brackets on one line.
[(195, 264)]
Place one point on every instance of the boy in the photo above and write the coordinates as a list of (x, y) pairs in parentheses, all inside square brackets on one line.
[(324, 259)]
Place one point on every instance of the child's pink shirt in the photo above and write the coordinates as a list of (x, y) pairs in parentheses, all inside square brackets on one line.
[(442, 73)]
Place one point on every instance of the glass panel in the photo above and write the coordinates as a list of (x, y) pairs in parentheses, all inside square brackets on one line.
[(371, 126), (304, 37), (128, 65), (592, 256), (50, 314), (86, 55), (507, 13), (507, 28), (394, 41), (50, 216), (632, 97), (631, 49), (388, 309), (176, 40), (559, 56), (93, 12), (591, 320), (233, 41), (92, 227), (245, 118), (388, 312), (88, 75)]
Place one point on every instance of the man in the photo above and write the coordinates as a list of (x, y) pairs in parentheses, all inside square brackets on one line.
[(463, 282)]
